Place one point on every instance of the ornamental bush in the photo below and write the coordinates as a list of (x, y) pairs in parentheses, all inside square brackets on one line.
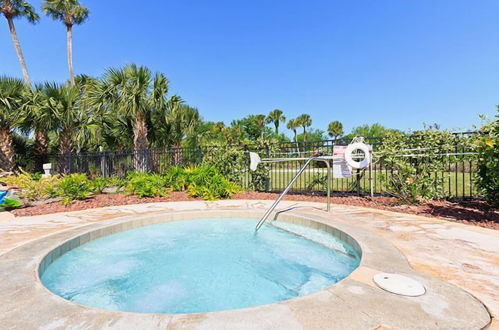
[(177, 178), (10, 203), (99, 184), (202, 181), (74, 187), (487, 148), (418, 163), (207, 182), (33, 188), (230, 161), (143, 184)]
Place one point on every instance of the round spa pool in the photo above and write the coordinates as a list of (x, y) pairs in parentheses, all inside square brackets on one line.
[(195, 266)]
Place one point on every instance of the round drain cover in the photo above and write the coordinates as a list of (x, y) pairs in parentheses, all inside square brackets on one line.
[(399, 284)]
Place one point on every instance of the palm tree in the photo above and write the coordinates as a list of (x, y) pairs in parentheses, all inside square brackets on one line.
[(259, 121), (304, 121), (183, 120), (293, 125), (102, 128), (70, 12), (64, 102), (11, 99), (335, 129), (12, 9), (38, 117), (134, 94), (276, 117), (175, 123)]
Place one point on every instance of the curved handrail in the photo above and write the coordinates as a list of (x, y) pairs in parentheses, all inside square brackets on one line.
[(290, 184)]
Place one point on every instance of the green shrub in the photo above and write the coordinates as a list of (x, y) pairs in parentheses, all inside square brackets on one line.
[(36, 176), (99, 184), (404, 184), (74, 187), (177, 178), (10, 204), (147, 185), (414, 178), (319, 181), (33, 189), (207, 182), (231, 161), (487, 147)]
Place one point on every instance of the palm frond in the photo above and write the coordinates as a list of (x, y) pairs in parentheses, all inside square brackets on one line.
[(12, 96), (69, 12)]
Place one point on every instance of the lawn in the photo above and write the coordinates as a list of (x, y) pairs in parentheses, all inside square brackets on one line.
[(455, 184)]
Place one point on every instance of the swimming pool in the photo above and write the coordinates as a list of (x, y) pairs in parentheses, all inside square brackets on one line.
[(201, 265)]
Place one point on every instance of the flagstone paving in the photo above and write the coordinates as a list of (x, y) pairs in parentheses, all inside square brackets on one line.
[(466, 256)]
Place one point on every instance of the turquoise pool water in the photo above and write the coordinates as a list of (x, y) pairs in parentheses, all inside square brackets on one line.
[(198, 266)]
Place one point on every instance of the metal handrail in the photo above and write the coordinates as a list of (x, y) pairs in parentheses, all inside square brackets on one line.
[(290, 184)]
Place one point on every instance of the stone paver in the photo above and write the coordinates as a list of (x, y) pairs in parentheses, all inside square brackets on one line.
[(463, 255)]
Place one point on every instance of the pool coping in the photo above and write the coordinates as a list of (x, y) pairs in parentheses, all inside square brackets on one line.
[(354, 302)]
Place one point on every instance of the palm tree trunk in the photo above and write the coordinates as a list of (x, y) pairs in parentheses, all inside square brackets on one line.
[(19, 52), (66, 141), (296, 142), (41, 149), (7, 155), (69, 36), (140, 143)]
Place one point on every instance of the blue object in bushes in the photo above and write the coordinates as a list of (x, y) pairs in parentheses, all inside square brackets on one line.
[(3, 193)]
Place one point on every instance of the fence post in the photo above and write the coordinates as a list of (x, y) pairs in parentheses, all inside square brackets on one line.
[(267, 179), (357, 178), (105, 164), (70, 163), (200, 155)]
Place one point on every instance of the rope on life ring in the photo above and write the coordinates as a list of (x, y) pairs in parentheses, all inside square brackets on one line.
[(356, 164)]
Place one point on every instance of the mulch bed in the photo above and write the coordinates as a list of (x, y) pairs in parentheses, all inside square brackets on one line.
[(476, 213)]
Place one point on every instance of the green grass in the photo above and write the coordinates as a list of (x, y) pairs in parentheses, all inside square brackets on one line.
[(455, 184)]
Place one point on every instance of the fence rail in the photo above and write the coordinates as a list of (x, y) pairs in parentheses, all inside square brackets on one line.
[(457, 177)]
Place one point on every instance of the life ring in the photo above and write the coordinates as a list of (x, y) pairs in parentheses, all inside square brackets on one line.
[(355, 164)]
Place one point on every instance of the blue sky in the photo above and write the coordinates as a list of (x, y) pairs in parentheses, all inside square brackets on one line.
[(401, 63)]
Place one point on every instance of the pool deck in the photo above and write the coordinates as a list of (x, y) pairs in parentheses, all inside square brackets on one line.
[(462, 255)]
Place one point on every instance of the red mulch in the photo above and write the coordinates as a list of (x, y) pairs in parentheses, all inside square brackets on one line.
[(102, 200), (476, 213)]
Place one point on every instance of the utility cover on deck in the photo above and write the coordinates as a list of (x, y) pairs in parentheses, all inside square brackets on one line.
[(399, 284)]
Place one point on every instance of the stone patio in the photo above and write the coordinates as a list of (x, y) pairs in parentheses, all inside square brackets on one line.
[(465, 256)]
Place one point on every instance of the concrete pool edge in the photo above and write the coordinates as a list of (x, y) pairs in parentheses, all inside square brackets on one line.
[(354, 302)]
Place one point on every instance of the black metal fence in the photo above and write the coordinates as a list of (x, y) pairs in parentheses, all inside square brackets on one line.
[(119, 164), (458, 175)]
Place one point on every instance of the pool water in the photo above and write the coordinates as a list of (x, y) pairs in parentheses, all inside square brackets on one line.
[(195, 266)]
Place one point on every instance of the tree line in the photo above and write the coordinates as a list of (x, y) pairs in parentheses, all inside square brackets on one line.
[(127, 108), (69, 12)]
